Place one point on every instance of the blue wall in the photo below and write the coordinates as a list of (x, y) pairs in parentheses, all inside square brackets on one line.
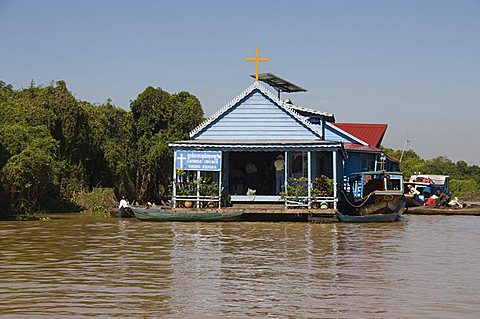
[(331, 134), (257, 117)]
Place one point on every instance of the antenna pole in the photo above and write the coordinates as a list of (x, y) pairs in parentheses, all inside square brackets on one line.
[(403, 149)]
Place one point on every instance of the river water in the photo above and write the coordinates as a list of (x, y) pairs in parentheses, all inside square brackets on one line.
[(78, 266)]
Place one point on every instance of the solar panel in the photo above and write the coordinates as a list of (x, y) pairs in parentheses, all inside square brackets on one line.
[(278, 83)]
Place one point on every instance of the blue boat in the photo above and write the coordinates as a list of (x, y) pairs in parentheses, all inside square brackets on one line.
[(375, 196)]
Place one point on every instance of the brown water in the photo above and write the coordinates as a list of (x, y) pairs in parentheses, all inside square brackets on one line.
[(79, 266)]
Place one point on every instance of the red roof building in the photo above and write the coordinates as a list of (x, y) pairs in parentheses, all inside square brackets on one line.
[(369, 133)]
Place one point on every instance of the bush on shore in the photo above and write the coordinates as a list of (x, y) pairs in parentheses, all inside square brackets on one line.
[(98, 201)]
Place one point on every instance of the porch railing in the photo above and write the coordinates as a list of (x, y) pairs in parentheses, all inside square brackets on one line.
[(196, 199), (306, 202)]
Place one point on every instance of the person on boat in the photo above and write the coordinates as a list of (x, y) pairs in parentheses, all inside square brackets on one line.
[(122, 207), (279, 164), (431, 201), (442, 200), (427, 192), (455, 203), (412, 190), (415, 193)]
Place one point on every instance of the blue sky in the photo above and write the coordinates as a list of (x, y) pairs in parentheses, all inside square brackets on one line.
[(412, 64)]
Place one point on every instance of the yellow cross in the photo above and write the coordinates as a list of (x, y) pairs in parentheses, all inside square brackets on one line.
[(257, 59)]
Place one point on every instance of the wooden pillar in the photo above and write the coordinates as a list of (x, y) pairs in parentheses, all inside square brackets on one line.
[(335, 183), (309, 163)]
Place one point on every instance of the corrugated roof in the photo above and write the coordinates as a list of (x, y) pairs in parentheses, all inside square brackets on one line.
[(242, 145), (370, 133), (303, 111), (362, 148)]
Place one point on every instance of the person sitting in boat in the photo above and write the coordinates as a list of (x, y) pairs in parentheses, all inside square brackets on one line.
[(412, 190), (442, 200), (455, 203), (427, 192), (415, 193), (123, 207)]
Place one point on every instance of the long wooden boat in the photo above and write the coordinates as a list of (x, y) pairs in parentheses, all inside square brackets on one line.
[(372, 195), (171, 216), (373, 218)]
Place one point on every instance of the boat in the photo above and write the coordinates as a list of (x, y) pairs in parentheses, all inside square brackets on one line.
[(373, 218), (426, 185), (373, 196), (124, 212), (171, 216)]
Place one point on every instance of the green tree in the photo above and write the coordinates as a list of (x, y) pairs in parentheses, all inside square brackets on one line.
[(160, 118)]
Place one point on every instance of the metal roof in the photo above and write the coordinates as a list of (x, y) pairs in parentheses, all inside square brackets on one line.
[(370, 133), (332, 126), (311, 112), (249, 145), (278, 83), (366, 148)]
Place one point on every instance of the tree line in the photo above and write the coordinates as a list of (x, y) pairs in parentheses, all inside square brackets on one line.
[(53, 146)]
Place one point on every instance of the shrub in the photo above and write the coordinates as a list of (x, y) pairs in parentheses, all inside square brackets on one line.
[(98, 201), (467, 189)]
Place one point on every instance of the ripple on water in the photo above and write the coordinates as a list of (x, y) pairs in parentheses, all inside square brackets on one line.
[(81, 266)]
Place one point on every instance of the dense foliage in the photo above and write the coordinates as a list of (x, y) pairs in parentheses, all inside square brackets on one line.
[(54, 147), (465, 179)]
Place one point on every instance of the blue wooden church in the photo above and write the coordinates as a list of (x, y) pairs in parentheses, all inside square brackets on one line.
[(239, 144), (261, 149)]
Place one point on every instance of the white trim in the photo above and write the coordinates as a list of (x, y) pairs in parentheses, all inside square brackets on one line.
[(336, 128), (256, 198), (335, 182), (174, 182), (250, 146), (220, 182), (308, 110), (268, 94), (309, 178)]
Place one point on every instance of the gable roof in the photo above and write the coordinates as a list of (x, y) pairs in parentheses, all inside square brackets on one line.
[(342, 135), (371, 133), (233, 103)]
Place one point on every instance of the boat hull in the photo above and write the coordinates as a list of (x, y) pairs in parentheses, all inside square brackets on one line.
[(373, 218), (171, 216), (379, 202)]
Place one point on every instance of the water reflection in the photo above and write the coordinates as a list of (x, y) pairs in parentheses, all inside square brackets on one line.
[(81, 266)]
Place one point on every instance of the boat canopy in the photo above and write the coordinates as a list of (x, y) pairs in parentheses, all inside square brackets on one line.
[(436, 179), (362, 184)]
